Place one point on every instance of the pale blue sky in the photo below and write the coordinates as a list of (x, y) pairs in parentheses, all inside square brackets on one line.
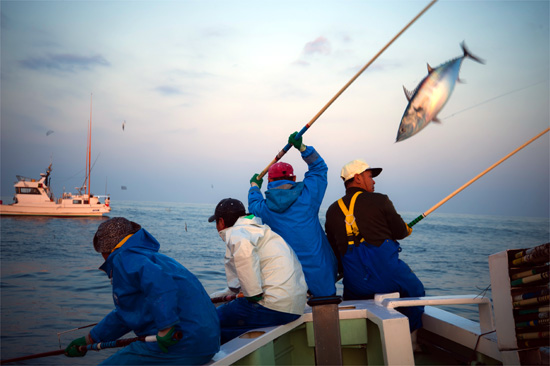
[(210, 91)]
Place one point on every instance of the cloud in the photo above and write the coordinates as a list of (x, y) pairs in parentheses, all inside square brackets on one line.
[(64, 62), (321, 45), (168, 90), (301, 63)]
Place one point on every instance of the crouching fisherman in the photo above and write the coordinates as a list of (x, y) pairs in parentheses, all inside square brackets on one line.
[(260, 264), (153, 294)]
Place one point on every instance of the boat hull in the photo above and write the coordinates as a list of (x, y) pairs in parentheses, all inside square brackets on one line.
[(53, 209)]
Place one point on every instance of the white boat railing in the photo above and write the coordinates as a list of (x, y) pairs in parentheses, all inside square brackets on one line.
[(486, 321)]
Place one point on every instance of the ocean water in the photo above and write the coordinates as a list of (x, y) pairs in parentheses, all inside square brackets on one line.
[(50, 282)]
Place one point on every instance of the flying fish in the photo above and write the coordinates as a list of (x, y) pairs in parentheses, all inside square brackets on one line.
[(429, 97)]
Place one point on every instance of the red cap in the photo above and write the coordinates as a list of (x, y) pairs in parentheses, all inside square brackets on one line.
[(279, 170)]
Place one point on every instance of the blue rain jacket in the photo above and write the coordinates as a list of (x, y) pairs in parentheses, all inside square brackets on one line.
[(152, 291), (292, 210)]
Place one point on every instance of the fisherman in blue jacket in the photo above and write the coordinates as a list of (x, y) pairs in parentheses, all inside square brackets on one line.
[(291, 209), (153, 294)]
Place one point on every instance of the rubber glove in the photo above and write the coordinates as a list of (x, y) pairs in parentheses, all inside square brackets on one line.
[(73, 349), (409, 230), (255, 180), (167, 340), (296, 142), (255, 298)]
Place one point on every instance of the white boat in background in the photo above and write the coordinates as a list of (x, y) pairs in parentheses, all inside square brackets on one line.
[(35, 198)]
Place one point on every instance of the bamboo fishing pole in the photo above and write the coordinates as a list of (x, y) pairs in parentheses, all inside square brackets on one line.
[(312, 121), (216, 300), (415, 221), (94, 347)]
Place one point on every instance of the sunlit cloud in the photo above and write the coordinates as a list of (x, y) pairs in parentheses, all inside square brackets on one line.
[(321, 46)]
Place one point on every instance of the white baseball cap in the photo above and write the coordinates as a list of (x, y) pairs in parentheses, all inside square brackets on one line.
[(357, 166)]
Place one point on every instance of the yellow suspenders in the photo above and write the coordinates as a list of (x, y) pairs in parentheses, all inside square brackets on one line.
[(351, 225)]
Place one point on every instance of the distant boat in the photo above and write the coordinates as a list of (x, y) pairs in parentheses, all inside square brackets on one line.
[(35, 198)]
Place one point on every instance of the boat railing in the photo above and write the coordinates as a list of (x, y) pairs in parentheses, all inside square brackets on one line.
[(21, 178), (486, 321)]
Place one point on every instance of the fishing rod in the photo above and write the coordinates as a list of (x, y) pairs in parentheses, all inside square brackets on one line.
[(226, 298), (95, 347), (72, 330), (415, 221), (310, 123)]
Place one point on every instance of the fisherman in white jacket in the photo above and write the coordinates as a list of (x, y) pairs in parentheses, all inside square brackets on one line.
[(261, 265)]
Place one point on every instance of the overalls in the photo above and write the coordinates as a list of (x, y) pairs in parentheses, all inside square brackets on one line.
[(370, 270)]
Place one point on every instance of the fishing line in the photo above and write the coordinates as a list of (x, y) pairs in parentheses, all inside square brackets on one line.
[(483, 291), (497, 97)]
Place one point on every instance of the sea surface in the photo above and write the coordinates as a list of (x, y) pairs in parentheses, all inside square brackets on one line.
[(50, 282)]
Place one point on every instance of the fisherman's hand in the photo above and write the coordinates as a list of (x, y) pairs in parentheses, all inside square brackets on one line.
[(256, 181), (409, 230), (296, 142), (73, 349), (166, 340), (255, 298)]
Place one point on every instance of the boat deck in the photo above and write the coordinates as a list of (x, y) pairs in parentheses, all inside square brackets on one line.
[(373, 332)]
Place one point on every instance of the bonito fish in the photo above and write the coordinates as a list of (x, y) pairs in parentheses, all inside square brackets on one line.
[(429, 97)]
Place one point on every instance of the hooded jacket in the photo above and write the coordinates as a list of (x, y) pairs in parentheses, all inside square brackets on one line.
[(259, 261), (292, 210), (152, 292)]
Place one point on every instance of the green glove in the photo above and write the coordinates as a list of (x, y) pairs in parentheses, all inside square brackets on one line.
[(297, 143), (166, 341), (73, 349), (255, 298), (255, 179)]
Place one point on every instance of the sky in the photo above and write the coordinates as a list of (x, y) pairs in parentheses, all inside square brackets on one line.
[(209, 91)]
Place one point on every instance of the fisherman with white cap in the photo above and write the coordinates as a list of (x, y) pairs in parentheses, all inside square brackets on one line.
[(363, 228)]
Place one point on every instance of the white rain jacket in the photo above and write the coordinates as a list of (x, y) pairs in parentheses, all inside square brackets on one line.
[(257, 260)]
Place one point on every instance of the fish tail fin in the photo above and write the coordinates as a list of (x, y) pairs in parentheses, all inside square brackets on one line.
[(467, 53)]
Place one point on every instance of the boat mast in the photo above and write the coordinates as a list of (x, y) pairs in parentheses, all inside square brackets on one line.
[(88, 160)]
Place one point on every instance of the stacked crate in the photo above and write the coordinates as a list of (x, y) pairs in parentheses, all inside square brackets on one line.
[(521, 301)]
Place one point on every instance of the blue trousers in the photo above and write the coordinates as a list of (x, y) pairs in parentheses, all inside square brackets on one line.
[(370, 270), (142, 353), (240, 315)]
